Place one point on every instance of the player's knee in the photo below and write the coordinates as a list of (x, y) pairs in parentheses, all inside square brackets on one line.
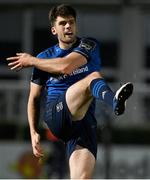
[(81, 175), (86, 175), (94, 75)]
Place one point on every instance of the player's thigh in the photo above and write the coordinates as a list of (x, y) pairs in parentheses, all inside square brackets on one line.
[(79, 97), (81, 163)]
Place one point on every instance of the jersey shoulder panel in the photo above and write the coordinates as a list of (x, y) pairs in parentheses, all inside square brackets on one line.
[(87, 46), (49, 52)]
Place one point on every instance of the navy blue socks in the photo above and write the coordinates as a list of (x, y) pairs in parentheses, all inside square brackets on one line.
[(101, 90)]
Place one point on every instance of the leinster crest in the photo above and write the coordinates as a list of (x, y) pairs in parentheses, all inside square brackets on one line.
[(59, 106)]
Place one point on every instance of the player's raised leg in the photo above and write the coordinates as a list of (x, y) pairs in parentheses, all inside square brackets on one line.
[(80, 95)]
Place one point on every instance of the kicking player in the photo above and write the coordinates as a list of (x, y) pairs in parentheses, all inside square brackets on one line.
[(70, 71)]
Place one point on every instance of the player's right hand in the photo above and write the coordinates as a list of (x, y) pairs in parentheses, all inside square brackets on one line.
[(36, 146)]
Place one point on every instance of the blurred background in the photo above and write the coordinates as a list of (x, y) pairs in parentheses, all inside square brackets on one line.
[(123, 29)]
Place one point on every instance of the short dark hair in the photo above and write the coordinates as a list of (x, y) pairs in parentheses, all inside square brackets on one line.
[(61, 10)]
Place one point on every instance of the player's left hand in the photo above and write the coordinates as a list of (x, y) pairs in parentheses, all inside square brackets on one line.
[(20, 61), (36, 145)]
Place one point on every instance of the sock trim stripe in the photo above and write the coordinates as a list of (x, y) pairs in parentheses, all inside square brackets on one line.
[(98, 86)]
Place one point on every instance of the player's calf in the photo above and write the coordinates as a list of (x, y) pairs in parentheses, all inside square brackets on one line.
[(102, 91)]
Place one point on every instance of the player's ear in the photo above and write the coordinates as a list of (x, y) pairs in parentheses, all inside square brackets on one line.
[(53, 30)]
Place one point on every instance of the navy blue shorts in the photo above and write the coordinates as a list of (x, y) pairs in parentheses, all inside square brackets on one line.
[(59, 121)]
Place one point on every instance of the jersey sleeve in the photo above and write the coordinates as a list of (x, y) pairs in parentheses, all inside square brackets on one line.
[(90, 48), (86, 47), (38, 76)]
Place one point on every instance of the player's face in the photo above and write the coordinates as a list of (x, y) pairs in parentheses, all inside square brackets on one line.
[(65, 29)]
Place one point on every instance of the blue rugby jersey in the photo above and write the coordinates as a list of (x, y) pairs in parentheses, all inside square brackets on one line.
[(57, 84)]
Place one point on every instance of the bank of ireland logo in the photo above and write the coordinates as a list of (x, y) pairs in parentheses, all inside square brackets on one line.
[(59, 106)]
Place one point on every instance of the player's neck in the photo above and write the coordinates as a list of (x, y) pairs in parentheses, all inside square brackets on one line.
[(64, 45)]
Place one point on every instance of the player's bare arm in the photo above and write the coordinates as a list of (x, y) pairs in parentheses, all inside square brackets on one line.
[(64, 65), (33, 112)]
